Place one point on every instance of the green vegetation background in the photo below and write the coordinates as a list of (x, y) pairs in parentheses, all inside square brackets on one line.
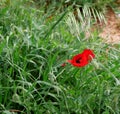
[(33, 46)]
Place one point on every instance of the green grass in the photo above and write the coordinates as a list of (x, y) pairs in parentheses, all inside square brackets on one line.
[(32, 50)]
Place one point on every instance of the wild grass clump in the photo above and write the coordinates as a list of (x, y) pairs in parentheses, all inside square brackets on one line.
[(32, 51)]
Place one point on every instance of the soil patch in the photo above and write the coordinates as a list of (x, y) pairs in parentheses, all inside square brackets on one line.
[(111, 30)]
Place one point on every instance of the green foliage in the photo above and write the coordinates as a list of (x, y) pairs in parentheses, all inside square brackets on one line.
[(32, 50)]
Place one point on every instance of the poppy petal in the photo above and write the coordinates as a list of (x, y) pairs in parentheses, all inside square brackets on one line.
[(81, 60)]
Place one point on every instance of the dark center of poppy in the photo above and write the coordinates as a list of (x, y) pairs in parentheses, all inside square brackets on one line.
[(78, 60)]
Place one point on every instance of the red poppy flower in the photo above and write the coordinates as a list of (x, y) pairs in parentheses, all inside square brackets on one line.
[(81, 60), (89, 54)]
